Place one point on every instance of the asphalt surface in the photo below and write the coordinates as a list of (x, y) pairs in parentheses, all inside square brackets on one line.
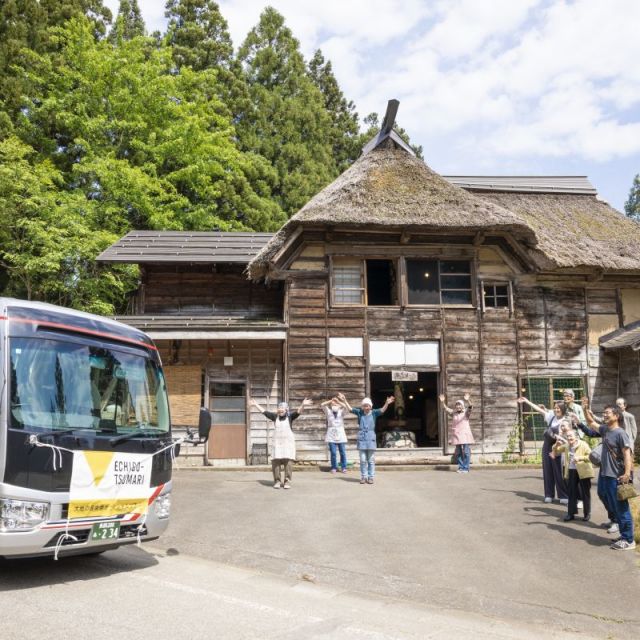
[(483, 542), (420, 554)]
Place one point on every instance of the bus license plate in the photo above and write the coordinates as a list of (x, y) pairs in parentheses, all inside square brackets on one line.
[(105, 531)]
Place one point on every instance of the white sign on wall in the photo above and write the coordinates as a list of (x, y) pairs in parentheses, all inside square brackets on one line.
[(350, 347), (400, 353), (386, 352), (404, 376)]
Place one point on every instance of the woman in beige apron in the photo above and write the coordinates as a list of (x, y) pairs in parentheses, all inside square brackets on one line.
[(284, 441)]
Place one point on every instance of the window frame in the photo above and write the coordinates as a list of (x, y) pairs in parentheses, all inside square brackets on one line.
[(440, 259), (396, 262), (496, 283)]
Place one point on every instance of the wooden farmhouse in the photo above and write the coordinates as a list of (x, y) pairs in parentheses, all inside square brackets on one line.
[(396, 280)]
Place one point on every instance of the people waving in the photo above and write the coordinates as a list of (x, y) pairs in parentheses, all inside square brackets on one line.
[(336, 436), (284, 441), (367, 417), (460, 434)]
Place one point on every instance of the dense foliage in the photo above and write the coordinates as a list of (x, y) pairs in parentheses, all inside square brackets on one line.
[(105, 129)]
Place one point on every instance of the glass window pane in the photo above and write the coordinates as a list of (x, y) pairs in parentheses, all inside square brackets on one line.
[(226, 389), (455, 266), (502, 302), (455, 282), (347, 281), (228, 417), (501, 291), (422, 282), (456, 297), (348, 296), (228, 403)]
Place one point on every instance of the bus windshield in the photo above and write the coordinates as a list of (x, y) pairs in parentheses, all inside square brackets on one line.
[(58, 385)]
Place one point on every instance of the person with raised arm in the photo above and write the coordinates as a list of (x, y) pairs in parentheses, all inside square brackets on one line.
[(336, 436), (367, 417), (552, 476), (616, 467), (460, 434), (284, 441)]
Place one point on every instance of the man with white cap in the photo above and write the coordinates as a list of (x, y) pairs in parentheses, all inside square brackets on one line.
[(367, 417), (284, 441)]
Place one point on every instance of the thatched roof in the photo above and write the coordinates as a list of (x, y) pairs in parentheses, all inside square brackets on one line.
[(576, 230), (388, 187)]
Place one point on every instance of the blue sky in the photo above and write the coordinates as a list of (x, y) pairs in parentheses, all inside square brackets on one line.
[(487, 87)]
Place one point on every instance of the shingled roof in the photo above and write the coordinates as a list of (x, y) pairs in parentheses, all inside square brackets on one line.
[(140, 247), (389, 187)]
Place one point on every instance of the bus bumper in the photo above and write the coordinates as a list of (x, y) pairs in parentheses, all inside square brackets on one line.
[(44, 540)]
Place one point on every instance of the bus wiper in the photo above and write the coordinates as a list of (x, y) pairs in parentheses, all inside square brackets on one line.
[(139, 433), (66, 432)]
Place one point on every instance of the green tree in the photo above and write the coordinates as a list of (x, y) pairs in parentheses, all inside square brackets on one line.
[(46, 246), (199, 38), (345, 134), (128, 23), (289, 124), (632, 205)]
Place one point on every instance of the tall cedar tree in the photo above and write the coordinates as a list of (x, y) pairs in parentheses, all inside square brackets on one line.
[(139, 146), (24, 27), (199, 38), (632, 205), (289, 124), (128, 23), (345, 135)]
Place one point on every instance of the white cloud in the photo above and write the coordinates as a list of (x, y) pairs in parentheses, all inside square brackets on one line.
[(504, 81)]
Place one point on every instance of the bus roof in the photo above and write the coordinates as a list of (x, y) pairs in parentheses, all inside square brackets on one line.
[(59, 318)]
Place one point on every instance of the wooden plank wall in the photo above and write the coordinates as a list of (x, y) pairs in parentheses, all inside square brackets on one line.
[(259, 362), (224, 292)]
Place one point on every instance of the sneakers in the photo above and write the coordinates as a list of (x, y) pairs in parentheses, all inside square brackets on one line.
[(607, 524), (286, 485), (614, 528), (370, 481), (586, 517), (564, 501), (547, 500), (363, 481), (334, 471), (623, 545), (568, 518), (276, 485), (343, 471)]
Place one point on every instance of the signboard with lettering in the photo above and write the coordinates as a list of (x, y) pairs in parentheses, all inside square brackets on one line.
[(109, 483), (404, 376)]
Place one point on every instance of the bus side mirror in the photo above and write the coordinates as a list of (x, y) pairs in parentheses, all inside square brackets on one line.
[(204, 423)]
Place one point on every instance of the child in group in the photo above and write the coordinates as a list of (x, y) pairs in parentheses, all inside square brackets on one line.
[(367, 417), (284, 441), (578, 470), (460, 434), (335, 437)]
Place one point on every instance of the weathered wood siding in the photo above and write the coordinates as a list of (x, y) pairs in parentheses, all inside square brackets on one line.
[(258, 363), (224, 291)]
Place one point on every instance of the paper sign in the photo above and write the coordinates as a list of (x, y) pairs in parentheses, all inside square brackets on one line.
[(404, 376)]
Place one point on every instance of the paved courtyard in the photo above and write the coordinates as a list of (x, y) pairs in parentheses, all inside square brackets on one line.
[(421, 554), (483, 543)]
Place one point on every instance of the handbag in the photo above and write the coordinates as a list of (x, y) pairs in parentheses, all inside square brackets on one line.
[(626, 491), (595, 457)]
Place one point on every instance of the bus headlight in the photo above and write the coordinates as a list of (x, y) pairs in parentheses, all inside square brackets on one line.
[(21, 515), (163, 506)]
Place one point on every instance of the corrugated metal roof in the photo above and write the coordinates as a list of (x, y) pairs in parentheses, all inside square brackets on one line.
[(627, 336), (533, 184), (185, 247)]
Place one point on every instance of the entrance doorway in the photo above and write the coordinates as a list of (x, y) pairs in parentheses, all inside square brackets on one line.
[(416, 411), (228, 407)]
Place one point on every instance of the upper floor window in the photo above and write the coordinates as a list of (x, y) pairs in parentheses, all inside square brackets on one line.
[(370, 282), (495, 296), (434, 282)]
